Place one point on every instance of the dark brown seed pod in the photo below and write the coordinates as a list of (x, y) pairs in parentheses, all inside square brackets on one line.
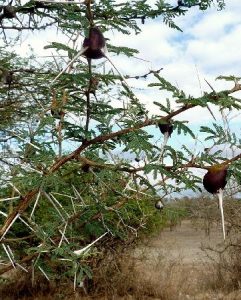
[(214, 182), (9, 78), (9, 12), (95, 43), (85, 168), (57, 113), (215, 179), (166, 128), (56, 108)]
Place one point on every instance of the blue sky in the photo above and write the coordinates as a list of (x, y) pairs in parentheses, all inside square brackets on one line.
[(209, 46)]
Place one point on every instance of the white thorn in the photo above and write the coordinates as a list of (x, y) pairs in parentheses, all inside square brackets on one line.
[(55, 206), (9, 256), (3, 213), (9, 199), (72, 202), (45, 275), (165, 140), (122, 77), (75, 278), (220, 198), (21, 267), (14, 187), (22, 139), (78, 195), (63, 235), (79, 252), (69, 64), (24, 222), (14, 219), (17, 264), (59, 204), (35, 204)]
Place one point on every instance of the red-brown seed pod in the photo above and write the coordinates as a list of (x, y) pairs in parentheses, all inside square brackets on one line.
[(214, 182), (215, 179), (95, 44), (166, 128)]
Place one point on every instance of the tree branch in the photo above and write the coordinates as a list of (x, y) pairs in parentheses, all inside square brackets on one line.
[(24, 203)]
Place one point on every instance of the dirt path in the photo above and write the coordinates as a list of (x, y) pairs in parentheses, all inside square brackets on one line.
[(185, 242), (175, 262)]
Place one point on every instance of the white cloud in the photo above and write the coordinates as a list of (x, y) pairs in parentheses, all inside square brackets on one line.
[(209, 46), (212, 26)]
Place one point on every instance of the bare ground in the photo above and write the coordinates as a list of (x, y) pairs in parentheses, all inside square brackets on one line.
[(185, 242), (179, 260)]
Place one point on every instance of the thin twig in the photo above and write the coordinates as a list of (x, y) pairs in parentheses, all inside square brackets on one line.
[(62, 1)]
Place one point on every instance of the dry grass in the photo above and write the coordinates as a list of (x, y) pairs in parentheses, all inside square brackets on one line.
[(224, 258), (226, 267), (129, 277), (141, 275), (118, 277)]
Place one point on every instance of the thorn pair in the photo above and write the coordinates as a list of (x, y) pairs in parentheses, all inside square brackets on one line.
[(94, 47)]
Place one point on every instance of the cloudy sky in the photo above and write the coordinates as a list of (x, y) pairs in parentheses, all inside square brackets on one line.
[(209, 46)]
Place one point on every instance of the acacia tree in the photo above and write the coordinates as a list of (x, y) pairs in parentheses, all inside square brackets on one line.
[(66, 185)]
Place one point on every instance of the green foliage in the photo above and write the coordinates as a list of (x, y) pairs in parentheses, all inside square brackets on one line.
[(181, 127), (166, 108), (163, 84), (81, 157), (220, 136)]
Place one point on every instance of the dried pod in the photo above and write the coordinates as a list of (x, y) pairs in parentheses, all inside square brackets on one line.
[(29, 152), (9, 12), (9, 78), (159, 205), (56, 108), (95, 44), (6, 76), (215, 179), (57, 113), (85, 168), (166, 128)]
